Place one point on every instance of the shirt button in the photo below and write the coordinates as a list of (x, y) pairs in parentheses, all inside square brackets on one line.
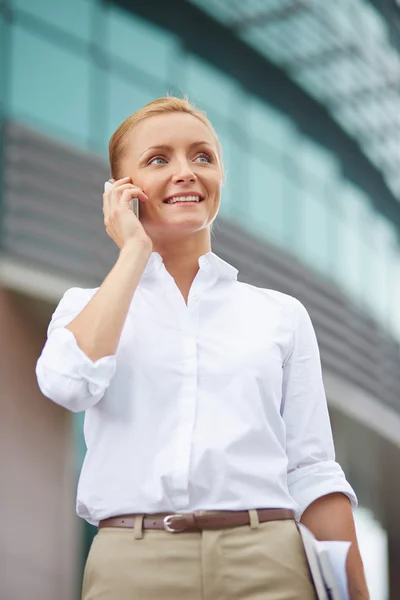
[(195, 297)]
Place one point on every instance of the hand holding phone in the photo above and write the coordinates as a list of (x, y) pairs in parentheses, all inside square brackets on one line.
[(120, 200)]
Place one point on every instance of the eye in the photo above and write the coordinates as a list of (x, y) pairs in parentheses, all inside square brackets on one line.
[(205, 157), (153, 160)]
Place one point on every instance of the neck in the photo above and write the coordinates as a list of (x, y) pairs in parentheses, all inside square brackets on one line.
[(181, 259)]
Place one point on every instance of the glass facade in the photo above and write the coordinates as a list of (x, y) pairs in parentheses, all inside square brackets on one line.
[(332, 50), (281, 186)]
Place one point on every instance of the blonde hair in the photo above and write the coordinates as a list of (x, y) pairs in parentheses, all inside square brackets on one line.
[(117, 147)]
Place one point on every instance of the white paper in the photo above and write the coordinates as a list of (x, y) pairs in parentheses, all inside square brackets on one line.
[(327, 562), (337, 553)]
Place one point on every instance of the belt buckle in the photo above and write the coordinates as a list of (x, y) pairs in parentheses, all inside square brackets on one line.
[(167, 523)]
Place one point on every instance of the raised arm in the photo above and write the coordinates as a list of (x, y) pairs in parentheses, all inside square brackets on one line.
[(97, 328), (78, 359)]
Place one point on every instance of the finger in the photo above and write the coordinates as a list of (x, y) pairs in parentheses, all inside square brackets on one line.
[(135, 192), (119, 182), (111, 184), (126, 186), (112, 196)]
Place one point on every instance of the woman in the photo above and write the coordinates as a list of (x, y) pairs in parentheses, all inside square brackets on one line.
[(206, 421)]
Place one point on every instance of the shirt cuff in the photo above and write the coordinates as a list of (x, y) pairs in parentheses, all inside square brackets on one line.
[(63, 356), (311, 482)]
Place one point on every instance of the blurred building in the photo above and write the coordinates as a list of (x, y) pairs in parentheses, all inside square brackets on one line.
[(305, 97)]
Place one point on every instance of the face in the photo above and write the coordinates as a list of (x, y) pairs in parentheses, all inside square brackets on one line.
[(169, 156)]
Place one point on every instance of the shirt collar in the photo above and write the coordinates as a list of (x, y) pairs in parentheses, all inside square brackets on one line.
[(207, 262)]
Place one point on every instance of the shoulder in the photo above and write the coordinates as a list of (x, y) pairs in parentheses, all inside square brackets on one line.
[(271, 298)]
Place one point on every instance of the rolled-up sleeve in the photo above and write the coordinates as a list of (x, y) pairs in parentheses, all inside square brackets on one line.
[(65, 374), (312, 469)]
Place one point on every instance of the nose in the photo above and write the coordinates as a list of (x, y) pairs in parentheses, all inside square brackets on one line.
[(183, 173)]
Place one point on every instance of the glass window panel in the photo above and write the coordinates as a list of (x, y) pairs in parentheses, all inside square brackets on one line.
[(335, 228), (293, 201), (315, 162), (54, 96), (355, 204), (359, 212), (395, 293), (235, 191), (265, 201), (3, 61), (314, 230), (348, 264), (209, 86), (140, 43), (125, 97), (98, 123), (269, 125), (175, 85), (378, 280), (348, 242), (73, 16)]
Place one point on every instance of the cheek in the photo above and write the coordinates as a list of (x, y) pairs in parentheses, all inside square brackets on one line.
[(218, 191), (150, 184), (213, 184)]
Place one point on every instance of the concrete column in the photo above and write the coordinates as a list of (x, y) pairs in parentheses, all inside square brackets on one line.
[(39, 532)]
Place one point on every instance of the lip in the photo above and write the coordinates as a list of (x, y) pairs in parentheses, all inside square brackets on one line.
[(185, 194)]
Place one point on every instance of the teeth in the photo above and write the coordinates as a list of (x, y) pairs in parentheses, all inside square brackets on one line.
[(183, 199)]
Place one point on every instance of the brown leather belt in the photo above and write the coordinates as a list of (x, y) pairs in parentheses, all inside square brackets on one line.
[(175, 523)]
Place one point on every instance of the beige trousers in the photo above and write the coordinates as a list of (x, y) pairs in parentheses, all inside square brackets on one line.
[(261, 561)]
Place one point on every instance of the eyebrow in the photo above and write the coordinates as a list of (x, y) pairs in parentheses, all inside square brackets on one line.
[(166, 147)]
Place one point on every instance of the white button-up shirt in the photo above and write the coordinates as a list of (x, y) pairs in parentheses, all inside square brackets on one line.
[(214, 405)]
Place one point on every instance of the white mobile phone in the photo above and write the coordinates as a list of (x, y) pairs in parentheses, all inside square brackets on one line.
[(135, 201)]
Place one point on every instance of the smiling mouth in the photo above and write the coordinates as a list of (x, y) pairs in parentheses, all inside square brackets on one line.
[(194, 199)]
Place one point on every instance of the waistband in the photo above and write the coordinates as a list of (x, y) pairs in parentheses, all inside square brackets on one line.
[(198, 521)]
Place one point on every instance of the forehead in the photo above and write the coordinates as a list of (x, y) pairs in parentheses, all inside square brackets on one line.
[(173, 129)]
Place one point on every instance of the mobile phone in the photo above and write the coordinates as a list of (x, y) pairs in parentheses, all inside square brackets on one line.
[(135, 201)]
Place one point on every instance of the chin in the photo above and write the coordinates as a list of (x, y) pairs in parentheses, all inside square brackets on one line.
[(175, 228)]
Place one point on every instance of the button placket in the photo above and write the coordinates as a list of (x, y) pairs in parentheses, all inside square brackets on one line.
[(186, 404), (186, 401)]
